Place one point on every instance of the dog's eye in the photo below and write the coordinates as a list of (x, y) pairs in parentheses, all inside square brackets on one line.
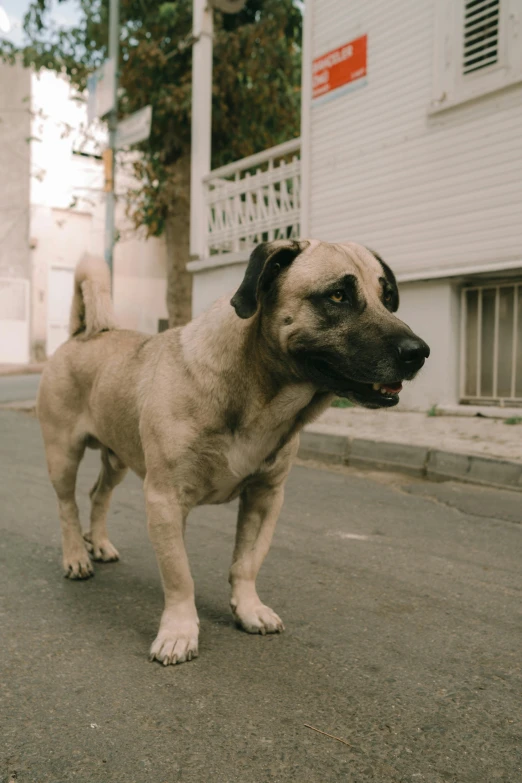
[(387, 298), (337, 296)]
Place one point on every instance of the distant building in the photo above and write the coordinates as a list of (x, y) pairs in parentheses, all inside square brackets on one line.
[(52, 211), (15, 256), (411, 143)]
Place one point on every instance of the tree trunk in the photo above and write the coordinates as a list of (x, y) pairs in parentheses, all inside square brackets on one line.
[(177, 232)]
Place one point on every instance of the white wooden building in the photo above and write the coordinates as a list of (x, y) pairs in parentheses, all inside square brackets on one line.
[(411, 143)]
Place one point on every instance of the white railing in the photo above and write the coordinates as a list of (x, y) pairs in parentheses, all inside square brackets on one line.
[(254, 200), (491, 344)]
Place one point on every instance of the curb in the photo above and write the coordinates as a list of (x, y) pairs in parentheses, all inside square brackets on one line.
[(422, 461), (25, 406), (21, 369)]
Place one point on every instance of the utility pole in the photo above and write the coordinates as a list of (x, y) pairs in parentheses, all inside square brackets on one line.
[(110, 153)]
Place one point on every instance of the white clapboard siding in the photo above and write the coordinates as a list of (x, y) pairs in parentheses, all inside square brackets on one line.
[(431, 192)]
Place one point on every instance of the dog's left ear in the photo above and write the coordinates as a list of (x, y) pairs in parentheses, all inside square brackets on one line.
[(390, 279), (264, 265)]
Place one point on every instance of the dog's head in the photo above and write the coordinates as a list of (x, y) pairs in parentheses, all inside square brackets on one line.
[(328, 311)]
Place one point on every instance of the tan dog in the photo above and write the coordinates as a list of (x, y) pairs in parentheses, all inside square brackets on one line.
[(213, 410)]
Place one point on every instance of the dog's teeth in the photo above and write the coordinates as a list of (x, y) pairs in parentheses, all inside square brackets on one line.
[(376, 386), (383, 391)]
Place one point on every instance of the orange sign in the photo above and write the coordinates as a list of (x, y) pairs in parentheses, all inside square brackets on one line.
[(338, 68)]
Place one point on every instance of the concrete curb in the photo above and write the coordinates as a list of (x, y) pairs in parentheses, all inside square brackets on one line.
[(434, 464), (21, 369), (26, 406)]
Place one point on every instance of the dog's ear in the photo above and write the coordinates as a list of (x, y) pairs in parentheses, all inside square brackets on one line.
[(264, 265), (390, 279)]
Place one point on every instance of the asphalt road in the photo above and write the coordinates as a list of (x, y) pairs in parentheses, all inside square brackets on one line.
[(15, 388), (402, 604)]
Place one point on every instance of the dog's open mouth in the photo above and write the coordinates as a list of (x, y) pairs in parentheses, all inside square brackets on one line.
[(373, 395), (388, 388), (370, 395)]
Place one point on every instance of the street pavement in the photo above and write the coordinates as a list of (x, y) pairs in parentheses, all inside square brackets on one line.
[(15, 388), (401, 600)]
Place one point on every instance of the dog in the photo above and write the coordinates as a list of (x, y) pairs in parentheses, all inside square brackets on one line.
[(212, 411)]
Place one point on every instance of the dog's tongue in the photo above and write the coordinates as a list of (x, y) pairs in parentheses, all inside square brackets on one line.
[(392, 388)]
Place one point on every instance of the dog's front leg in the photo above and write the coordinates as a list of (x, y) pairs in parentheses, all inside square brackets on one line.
[(258, 513), (177, 639)]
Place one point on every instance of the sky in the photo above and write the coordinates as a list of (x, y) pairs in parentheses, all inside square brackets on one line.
[(62, 13)]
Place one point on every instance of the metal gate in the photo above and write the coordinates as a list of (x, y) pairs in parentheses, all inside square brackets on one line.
[(491, 344)]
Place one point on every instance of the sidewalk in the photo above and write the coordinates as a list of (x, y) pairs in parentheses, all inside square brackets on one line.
[(465, 448), (466, 434)]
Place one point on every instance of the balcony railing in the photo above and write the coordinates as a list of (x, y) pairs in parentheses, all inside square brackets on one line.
[(254, 200)]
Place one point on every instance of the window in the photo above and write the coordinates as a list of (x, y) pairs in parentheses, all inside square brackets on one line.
[(478, 49), (491, 347)]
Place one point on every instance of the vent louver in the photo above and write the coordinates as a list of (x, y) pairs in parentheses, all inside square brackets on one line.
[(481, 34)]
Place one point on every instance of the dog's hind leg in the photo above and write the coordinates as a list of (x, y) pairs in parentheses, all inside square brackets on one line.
[(97, 540), (63, 460)]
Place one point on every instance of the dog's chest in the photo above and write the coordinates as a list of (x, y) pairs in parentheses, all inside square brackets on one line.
[(244, 456)]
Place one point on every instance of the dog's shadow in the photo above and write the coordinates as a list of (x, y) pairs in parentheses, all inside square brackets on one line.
[(121, 602)]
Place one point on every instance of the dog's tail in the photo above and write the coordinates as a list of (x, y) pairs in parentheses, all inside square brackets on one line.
[(91, 311)]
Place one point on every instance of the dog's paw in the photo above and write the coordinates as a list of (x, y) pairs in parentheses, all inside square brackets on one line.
[(255, 617), (176, 642), (101, 550), (78, 565)]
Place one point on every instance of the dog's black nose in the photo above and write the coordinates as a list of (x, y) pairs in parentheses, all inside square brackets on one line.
[(412, 353)]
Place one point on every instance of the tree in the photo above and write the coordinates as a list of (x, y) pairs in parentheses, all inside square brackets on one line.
[(256, 96)]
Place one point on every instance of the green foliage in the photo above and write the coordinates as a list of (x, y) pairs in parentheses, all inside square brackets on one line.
[(513, 420), (256, 82), (432, 411), (342, 402)]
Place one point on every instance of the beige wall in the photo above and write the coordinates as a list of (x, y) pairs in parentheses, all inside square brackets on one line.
[(15, 259), (210, 283), (15, 159), (432, 309), (140, 282)]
